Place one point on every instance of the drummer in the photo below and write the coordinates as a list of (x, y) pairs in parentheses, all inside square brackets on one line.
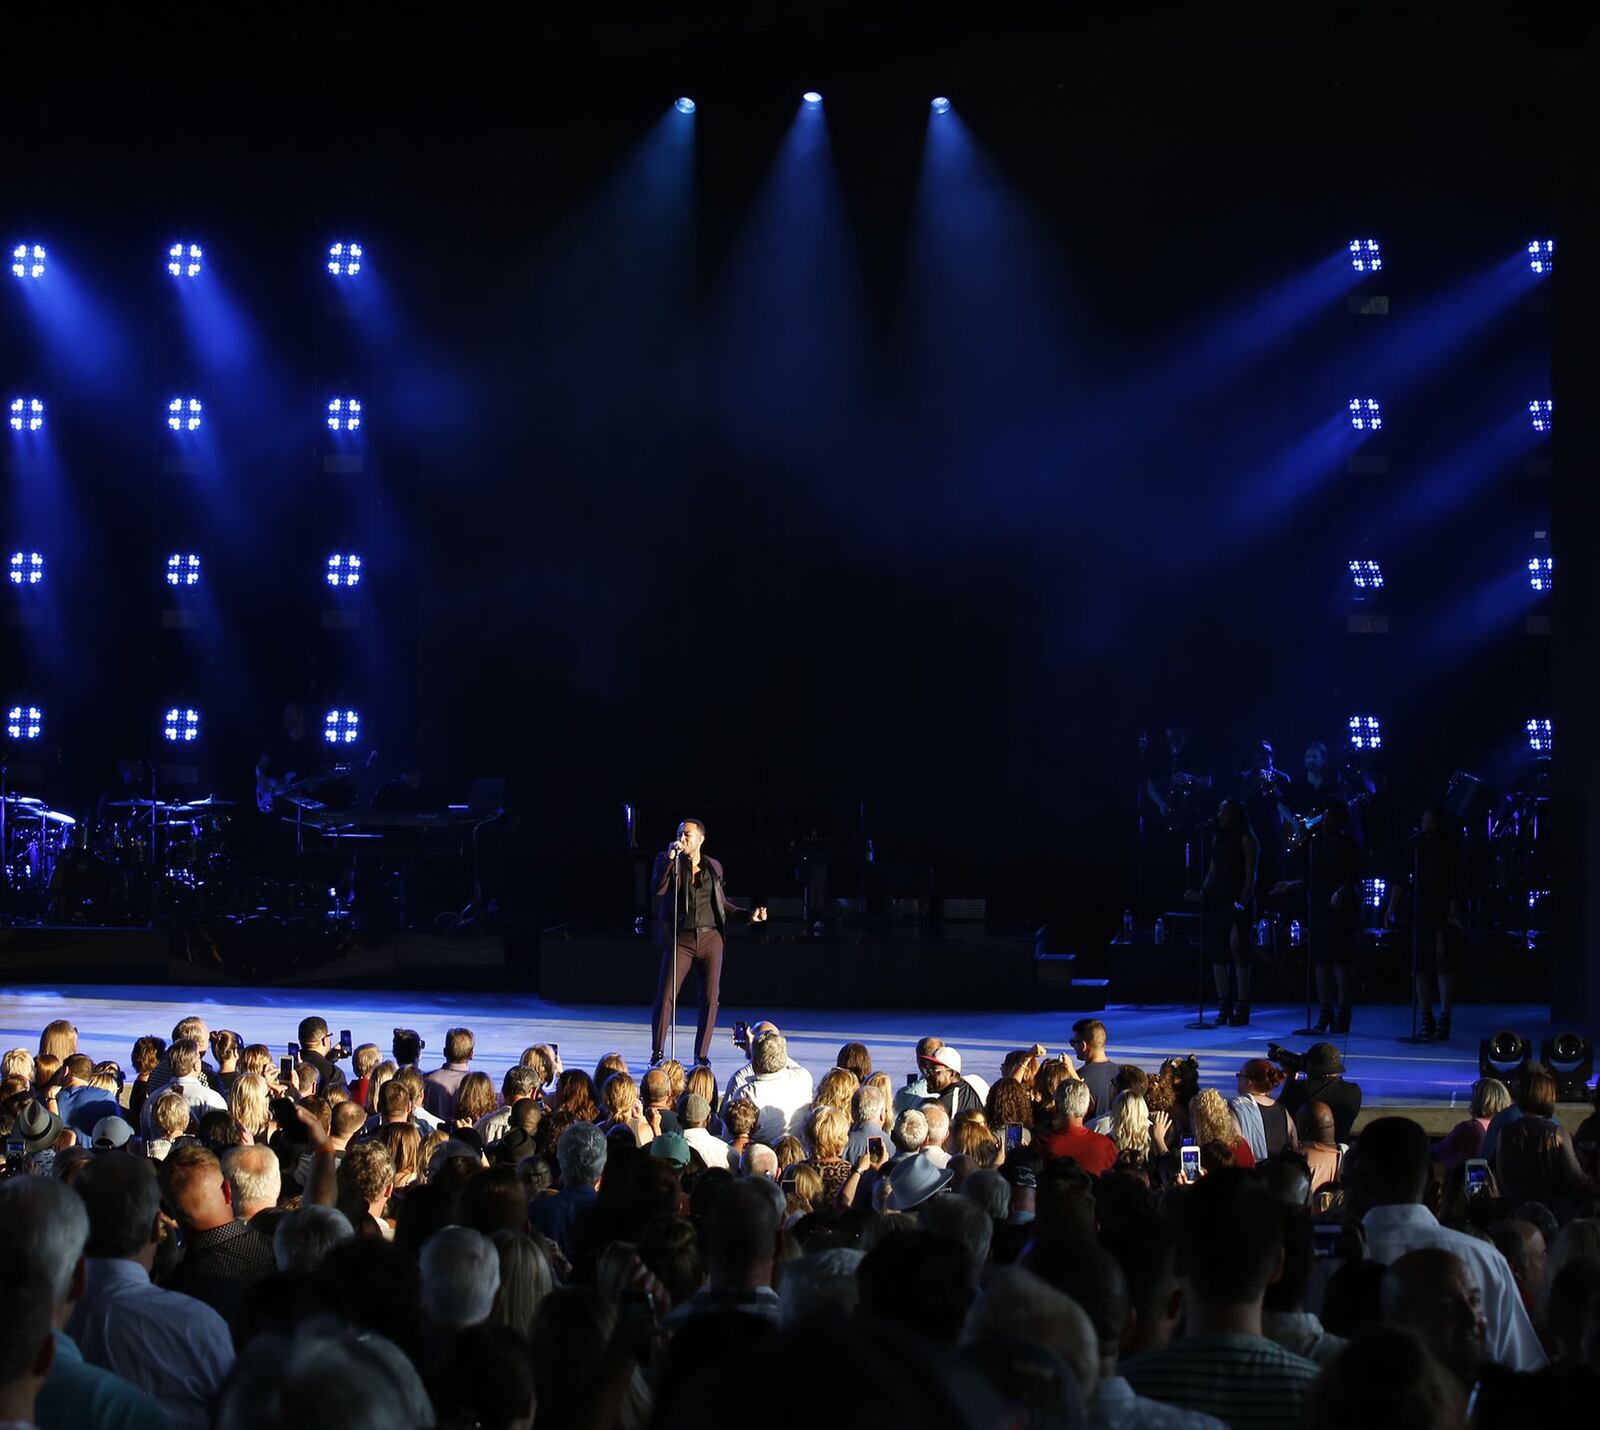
[(130, 782)]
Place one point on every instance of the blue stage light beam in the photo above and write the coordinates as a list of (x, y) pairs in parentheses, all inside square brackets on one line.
[(1541, 736), (24, 723), (181, 725), (185, 414), (344, 570), (1541, 414), (684, 105), (1366, 732), (27, 568), (1542, 256), (341, 727), (1542, 574), (185, 260), (1366, 256), (183, 569), (26, 414), (940, 105), (28, 261), (811, 99)]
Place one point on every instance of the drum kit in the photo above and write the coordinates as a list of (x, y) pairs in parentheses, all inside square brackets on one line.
[(140, 859)]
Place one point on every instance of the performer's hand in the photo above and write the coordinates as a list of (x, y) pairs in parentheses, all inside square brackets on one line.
[(759, 915)]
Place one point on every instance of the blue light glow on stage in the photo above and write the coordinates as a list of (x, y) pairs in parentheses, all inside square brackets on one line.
[(184, 260), (685, 105), (183, 569), (185, 414), (341, 727), (940, 105)]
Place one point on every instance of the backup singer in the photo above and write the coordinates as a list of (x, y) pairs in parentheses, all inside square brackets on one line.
[(702, 920), (1226, 900)]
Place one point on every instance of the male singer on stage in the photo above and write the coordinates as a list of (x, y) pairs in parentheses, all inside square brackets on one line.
[(701, 919)]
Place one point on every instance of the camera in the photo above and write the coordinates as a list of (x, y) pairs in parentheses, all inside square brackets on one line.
[(1290, 1062)]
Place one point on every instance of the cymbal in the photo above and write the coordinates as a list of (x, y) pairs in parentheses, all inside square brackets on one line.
[(28, 800)]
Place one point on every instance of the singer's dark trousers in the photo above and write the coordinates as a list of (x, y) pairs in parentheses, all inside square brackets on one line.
[(702, 951)]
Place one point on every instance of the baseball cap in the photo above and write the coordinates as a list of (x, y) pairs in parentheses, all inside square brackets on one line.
[(670, 1147), (111, 1132), (947, 1057)]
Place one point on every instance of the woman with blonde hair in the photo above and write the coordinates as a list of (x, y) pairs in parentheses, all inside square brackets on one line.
[(17, 1063), (971, 1136), (1464, 1141), (59, 1039), (430, 1144), (1130, 1123), (405, 1151), (476, 1097), (836, 1089), (829, 1131), (806, 1191), (1210, 1120), (703, 1081), (376, 1079), (248, 1104), (619, 1102)]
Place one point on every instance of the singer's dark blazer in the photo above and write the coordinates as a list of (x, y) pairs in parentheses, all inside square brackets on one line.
[(661, 886)]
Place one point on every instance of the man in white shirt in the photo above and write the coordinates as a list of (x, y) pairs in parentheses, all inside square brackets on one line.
[(781, 1089), (171, 1346), (695, 1113), (183, 1061), (1387, 1171)]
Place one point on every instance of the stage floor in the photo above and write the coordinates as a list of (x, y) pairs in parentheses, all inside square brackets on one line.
[(110, 1017)]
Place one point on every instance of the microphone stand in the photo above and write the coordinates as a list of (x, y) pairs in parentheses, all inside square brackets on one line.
[(1416, 911), (1308, 938), (672, 972)]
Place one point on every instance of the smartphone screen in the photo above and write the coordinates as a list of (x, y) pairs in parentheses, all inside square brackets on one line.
[(294, 1050), (875, 1147), (910, 1078), (285, 1069), (344, 1040), (16, 1150), (1013, 1136), (556, 1049), (1325, 1238), (1191, 1161), (1477, 1176), (741, 1035)]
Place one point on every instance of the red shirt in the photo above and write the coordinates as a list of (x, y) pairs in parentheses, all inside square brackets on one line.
[(1092, 1151)]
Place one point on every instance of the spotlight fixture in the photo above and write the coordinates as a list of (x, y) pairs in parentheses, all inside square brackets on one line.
[(1541, 736), (1365, 255), (27, 260), (181, 725), (1503, 1054), (344, 414), (183, 569), (183, 260), (27, 568), (344, 259), (1541, 412), (341, 727), (344, 570), (1366, 576), (1374, 892), (1542, 573), (24, 722), (1570, 1057), (1366, 415), (1365, 733), (811, 98), (1542, 255), (184, 414), (940, 105), (26, 414), (684, 105)]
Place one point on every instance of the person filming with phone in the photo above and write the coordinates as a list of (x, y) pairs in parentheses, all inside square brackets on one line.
[(692, 908)]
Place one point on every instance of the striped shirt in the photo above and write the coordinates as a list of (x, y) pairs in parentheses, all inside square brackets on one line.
[(1247, 1382)]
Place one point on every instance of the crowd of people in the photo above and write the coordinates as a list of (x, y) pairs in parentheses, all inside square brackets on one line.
[(214, 1237)]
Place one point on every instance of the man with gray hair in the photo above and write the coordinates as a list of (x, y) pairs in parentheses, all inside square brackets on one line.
[(307, 1234), (938, 1121), (170, 1345), (255, 1177), (184, 1065), (460, 1278), (1092, 1151), (47, 1218), (759, 1161), (870, 1114), (581, 1155), (778, 1086)]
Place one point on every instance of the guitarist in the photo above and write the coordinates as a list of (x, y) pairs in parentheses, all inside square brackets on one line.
[(292, 756), (701, 919)]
